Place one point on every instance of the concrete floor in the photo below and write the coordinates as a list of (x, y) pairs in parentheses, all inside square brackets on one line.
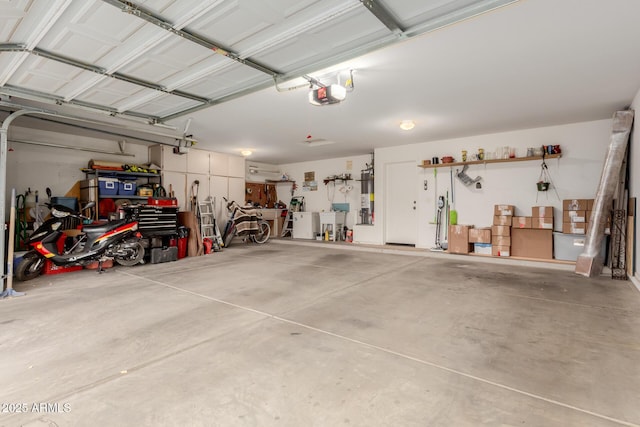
[(292, 335)]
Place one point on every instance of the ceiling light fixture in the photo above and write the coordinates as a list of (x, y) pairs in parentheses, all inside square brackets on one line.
[(407, 124), (246, 152)]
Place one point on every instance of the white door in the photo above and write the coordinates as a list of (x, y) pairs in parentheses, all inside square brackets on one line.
[(401, 203)]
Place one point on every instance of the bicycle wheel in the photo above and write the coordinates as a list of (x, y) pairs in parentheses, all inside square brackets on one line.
[(264, 231)]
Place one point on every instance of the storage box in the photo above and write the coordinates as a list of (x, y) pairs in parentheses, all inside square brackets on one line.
[(500, 230), (532, 243), (576, 204), (521, 222), (459, 239), (482, 248), (542, 223), (51, 268), (127, 188), (574, 227), (89, 190), (574, 216), (504, 210), (159, 255), (162, 201), (568, 247), (542, 212), (479, 235), (108, 186), (69, 202), (502, 219), (497, 250), (590, 203), (501, 240)]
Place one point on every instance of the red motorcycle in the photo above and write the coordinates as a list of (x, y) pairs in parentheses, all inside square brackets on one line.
[(115, 240)]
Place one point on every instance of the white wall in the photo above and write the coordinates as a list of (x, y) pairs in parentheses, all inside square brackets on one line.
[(634, 178), (575, 175), (320, 200), (37, 167)]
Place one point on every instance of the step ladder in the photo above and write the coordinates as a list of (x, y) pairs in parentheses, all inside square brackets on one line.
[(294, 206), (208, 224)]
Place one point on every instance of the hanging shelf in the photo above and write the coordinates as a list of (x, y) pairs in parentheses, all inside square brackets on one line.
[(480, 162)]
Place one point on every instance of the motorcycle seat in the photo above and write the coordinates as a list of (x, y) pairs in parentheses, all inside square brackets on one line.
[(103, 228)]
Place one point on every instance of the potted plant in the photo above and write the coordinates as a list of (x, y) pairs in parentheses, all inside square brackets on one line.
[(542, 185)]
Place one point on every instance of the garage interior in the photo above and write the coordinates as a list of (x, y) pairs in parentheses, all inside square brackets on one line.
[(438, 179)]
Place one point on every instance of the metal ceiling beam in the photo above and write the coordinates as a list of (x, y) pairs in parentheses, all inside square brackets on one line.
[(138, 11), (38, 96), (118, 76), (382, 13)]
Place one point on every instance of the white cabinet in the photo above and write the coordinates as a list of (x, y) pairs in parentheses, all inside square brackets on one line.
[(203, 186), (219, 188), (177, 182), (163, 156), (198, 161), (236, 167), (218, 164), (305, 225), (236, 189)]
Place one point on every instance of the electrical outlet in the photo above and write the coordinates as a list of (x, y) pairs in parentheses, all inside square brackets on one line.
[(426, 184)]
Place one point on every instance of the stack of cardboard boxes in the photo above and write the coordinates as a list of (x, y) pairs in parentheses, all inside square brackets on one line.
[(501, 230), (532, 236), (575, 215), (481, 239), (459, 239)]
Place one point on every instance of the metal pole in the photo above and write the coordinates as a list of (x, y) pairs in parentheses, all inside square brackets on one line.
[(9, 292)]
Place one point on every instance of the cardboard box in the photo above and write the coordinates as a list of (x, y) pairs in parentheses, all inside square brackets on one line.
[(574, 227), (500, 230), (504, 210), (502, 240), (574, 216), (542, 212), (532, 243), (497, 250), (459, 239), (542, 223), (576, 204), (482, 248), (502, 219), (479, 235), (590, 203), (521, 222)]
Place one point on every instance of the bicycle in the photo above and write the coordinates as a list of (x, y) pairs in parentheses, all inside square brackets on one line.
[(246, 223)]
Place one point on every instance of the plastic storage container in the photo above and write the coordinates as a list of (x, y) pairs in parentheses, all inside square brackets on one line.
[(568, 247), (69, 202), (126, 188), (108, 186)]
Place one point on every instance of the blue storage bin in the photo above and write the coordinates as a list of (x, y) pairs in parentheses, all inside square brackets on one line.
[(126, 188), (108, 186)]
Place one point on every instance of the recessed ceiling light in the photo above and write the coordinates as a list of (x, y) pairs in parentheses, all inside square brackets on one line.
[(407, 124), (246, 152)]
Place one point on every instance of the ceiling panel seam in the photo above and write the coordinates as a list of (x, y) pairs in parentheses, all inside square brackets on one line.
[(136, 53), (135, 10), (45, 24), (99, 70)]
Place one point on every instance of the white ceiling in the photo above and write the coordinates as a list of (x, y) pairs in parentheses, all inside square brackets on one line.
[(531, 63)]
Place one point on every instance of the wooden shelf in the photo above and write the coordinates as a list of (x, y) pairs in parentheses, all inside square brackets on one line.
[(480, 162), (273, 181)]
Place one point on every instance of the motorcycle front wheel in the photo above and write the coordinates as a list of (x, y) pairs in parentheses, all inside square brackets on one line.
[(135, 254), (30, 266)]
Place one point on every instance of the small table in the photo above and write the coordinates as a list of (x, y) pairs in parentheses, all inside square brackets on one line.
[(333, 221)]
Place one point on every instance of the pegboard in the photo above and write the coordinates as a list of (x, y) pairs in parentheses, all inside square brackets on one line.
[(259, 192)]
